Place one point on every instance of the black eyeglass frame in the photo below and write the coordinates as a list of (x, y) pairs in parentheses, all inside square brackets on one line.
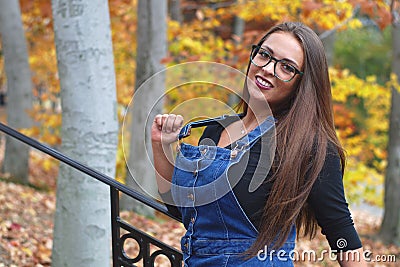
[(257, 48)]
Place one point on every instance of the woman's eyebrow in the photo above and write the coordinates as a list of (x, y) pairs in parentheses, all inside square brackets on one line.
[(272, 52)]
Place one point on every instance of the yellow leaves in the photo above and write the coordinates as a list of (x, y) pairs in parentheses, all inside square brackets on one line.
[(122, 155), (47, 164), (51, 138), (361, 117), (363, 183), (394, 82), (354, 24), (50, 125), (362, 132), (53, 120), (31, 132), (346, 84), (196, 40), (327, 14), (189, 44), (275, 10), (328, 20), (27, 251), (173, 29), (371, 79)]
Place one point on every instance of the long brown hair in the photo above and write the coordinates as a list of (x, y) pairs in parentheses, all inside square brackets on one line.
[(303, 133)]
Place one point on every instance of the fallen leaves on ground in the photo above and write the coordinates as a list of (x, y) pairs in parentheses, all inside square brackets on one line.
[(26, 225), (27, 222)]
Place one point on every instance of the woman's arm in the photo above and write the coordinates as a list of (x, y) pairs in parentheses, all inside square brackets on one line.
[(328, 202), (164, 132)]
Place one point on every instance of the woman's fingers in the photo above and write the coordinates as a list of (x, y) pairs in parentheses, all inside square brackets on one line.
[(166, 128), (169, 122), (158, 119), (178, 123)]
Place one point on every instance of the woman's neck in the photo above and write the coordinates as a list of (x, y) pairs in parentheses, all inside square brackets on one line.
[(255, 118)]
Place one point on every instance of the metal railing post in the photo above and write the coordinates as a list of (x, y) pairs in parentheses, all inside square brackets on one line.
[(115, 230)]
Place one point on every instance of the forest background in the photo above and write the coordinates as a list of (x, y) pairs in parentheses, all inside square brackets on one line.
[(358, 40)]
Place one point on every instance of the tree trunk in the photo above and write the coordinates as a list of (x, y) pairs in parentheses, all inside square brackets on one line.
[(19, 88), (238, 29), (151, 49), (175, 11), (82, 232), (237, 35), (329, 43), (390, 228)]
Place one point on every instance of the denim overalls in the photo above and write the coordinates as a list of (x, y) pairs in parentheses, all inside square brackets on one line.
[(218, 230)]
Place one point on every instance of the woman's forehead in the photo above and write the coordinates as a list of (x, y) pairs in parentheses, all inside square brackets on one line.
[(285, 45)]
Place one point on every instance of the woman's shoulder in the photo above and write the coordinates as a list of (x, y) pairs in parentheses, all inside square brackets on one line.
[(332, 168), (332, 151), (332, 154)]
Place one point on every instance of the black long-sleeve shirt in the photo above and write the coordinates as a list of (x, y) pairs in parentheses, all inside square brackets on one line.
[(326, 199)]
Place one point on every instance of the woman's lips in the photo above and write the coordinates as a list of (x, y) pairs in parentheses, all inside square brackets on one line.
[(263, 84)]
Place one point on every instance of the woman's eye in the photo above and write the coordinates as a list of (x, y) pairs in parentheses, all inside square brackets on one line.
[(288, 68), (264, 54)]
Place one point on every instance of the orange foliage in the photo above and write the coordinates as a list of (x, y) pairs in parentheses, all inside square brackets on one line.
[(379, 11), (207, 35)]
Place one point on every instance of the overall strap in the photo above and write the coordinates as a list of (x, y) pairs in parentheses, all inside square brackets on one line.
[(246, 141), (185, 131)]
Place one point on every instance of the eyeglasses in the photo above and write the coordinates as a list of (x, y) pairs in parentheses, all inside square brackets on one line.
[(283, 70)]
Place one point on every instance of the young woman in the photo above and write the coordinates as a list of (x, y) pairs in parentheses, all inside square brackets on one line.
[(302, 185)]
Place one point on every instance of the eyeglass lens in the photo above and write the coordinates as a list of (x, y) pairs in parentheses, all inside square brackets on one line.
[(283, 70)]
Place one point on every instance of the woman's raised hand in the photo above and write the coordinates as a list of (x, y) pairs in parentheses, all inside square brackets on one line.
[(165, 128)]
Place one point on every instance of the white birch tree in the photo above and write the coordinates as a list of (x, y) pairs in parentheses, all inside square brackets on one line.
[(82, 231), (151, 49), (19, 88), (390, 228)]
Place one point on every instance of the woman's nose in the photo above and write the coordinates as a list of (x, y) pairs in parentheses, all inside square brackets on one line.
[(269, 67)]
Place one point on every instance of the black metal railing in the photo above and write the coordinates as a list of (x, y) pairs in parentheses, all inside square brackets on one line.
[(144, 241)]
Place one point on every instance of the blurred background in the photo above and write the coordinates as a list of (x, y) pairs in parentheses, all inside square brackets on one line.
[(362, 42)]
